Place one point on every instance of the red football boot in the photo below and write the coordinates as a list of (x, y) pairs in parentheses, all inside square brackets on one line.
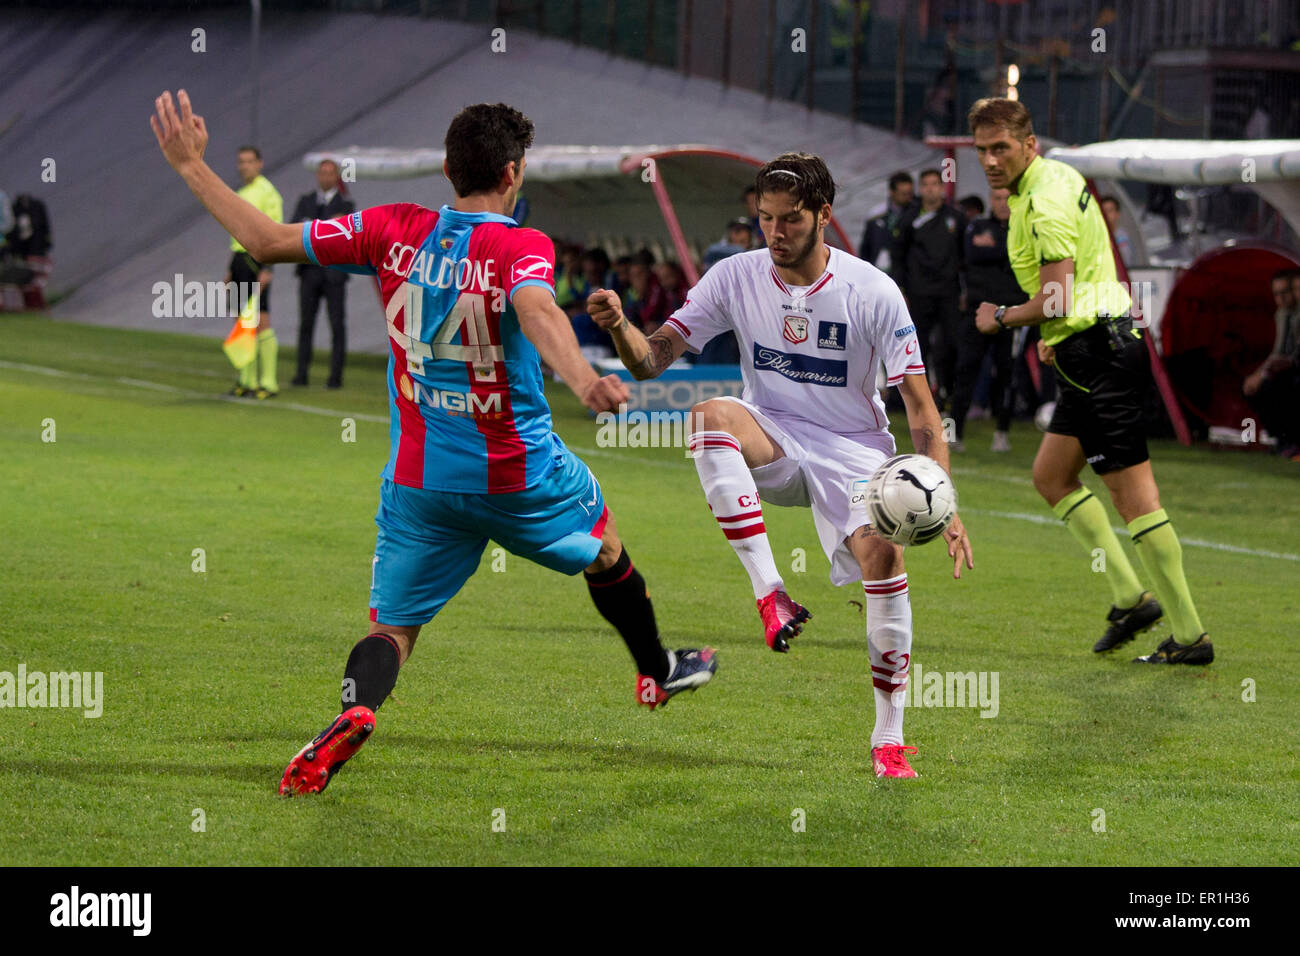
[(317, 763), (782, 619), (891, 760)]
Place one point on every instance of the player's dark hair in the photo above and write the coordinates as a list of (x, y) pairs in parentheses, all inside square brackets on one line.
[(644, 257), (1011, 115), (931, 172), (480, 141), (803, 175), (1109, 198), (900, 177), (249, 149), (1286, 274), (972, 202)]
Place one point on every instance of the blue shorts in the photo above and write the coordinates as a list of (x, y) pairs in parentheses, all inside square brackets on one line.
[(430, 542)]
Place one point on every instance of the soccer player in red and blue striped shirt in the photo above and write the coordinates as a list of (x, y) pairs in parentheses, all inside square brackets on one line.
[(470, 303)]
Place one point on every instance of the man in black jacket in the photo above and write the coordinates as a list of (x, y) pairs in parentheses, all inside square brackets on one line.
[(882, 227), (988, 279), (30, 242), (325, 202), (927, 263)]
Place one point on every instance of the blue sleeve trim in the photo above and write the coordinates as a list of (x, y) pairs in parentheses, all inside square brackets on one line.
[(527, 282), (306, 242)]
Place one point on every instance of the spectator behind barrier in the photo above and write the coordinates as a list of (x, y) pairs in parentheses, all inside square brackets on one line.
[(1110, 209), (972, 206), (738, 238), (882, 225), (1273, 389), (649, 305)]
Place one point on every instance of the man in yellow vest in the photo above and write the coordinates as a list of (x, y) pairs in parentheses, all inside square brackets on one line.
[(257, 378), (1060, 251)]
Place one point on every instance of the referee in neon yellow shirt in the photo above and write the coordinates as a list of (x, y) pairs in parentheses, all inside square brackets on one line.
[(1060, 251), (257, 378)]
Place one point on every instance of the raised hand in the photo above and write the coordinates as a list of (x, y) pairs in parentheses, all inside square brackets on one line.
[(182, 136), (605, 309)]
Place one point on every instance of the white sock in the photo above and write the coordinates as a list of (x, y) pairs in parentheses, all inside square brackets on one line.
[(889, 645), (733, 499)]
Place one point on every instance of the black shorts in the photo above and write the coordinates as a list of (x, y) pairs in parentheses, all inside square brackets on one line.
[(244, 268), (1103, 376)]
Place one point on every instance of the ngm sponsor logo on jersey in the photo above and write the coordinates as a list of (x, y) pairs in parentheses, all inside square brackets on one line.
[(802, 368), (77, 909), (432, 269), (179, 299), (453, 401), (36, 689)]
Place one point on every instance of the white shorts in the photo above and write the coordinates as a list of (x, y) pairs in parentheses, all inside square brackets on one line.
[(824, 471)]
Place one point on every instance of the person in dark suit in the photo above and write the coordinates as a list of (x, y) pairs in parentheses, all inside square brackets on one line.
[(327, 201)]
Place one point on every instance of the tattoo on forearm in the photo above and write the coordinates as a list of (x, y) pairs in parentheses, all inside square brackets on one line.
[(658, 358), (922, 439)]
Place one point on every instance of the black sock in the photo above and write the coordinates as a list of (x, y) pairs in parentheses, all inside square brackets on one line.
[(371, 672), (619, 594)]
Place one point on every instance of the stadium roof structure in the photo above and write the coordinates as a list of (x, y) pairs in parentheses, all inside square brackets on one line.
[(682, 195), (123, 222), (1270, 167)]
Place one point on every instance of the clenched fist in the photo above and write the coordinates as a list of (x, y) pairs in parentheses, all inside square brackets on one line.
[(606, 394), (605, 309)]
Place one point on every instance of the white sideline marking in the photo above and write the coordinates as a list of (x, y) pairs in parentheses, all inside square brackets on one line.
[(602, 453), (1194, 542), (190, 393)]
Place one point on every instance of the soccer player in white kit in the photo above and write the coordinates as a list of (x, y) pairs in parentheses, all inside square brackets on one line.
[(814, 324)]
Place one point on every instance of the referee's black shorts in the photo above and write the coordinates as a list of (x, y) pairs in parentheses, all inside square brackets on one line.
[(244, 268), (1104, 376)]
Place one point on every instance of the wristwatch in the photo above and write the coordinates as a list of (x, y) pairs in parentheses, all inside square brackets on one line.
[(997, 317)]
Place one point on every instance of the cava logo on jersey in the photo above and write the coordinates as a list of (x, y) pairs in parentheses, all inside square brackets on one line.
[(796, 329), (831, 335), (433, 270), (802, 368), (531, 267), (133, 910)]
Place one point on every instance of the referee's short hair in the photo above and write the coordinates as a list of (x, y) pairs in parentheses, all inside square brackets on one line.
[(1011, 115), (249, 149), (803, 175)]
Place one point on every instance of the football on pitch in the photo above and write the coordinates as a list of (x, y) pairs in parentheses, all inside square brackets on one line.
[(911, 499)]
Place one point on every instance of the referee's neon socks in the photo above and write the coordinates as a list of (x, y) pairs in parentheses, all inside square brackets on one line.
[(248, 375), (268, 350), (1157, 545), (1086, 518)]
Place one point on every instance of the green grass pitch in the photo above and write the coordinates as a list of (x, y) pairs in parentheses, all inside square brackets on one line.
[(517, 707)]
